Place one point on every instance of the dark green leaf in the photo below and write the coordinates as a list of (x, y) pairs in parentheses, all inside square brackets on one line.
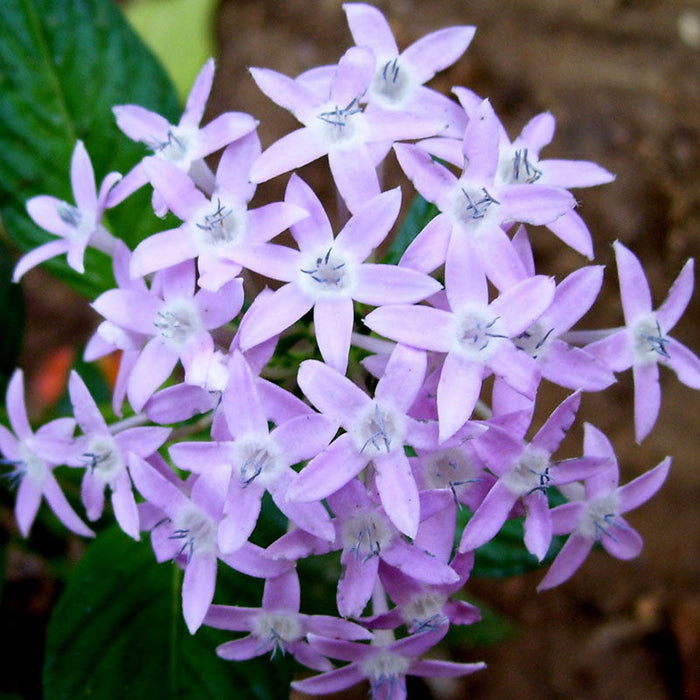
[(418, 215), (63, 65), (118, 632)]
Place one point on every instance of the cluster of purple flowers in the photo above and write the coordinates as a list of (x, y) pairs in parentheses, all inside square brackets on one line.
[(374, 462)]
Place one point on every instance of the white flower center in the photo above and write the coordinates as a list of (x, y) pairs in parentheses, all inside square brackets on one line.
[(32, 467), (220, 224), (83, 223), (384, 667), (534, 341), (196, 530), (478, 334), (649, 344), (531, 472), (327, 274), (392, 84), (450, 469), (257, 459), (425, 611), (339, 126), (366, 534), (278, 628), (103, 458), (380, 430), (178, 323), (517, 166), (600, 518), (176, 148), (472, 204)]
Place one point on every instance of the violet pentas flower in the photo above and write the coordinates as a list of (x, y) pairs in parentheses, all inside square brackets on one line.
[(328, 274), (368, 538), (176, 322), (559, 362), (77, 226), (105, 454), (399, 77), (278, 626), (474, 334), (33, 456), (258, 460), (384, 665), (643, 343), (525, 473), (476, 204), (336, 125), (214, 227), (187, 534), (376, 431), (596, 516), (185, 144)]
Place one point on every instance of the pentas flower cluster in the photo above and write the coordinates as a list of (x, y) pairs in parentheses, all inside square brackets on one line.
[(373, 462)]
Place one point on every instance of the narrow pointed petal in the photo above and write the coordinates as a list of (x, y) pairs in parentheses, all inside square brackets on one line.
[(480, 145), (389, 284), (273, 315), (356, 584), (684, 363), (162, 250), (429, 668), (125, 510), (436, 51), (153, 367), (488, 518), (419, 326), (198, 589), (174, 186), (313, 232), (27, 505), (331, 682), (574, 368), (538, 525), (538, 132), (221, 131), (641, 489), (402, 378), (241, 391), (242, 511), (199, 94), (354, 174), (634, 288), (369, 27), (417, 563), (39, 255), (242, 649), (353, 75), (534, 204), (291, 151), (329, 471), (622, 540), (550, 435), (614, 351), (430, 178), (398, 492), (333, 323), (83, 178), (285, 91), (332, 393), (678, 297), (569, 559), (303, 437), (647, 398), (574, 173), (16, 411), (572, 230), (457, 393), (428, 250), (63, 510)]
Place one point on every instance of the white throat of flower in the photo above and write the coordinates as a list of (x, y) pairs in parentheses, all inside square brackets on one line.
[(102, 458), (220, 223), (379, 430), (649, 344), (531, 473), (178, 322), (327, 274), (257, 459), (366, 534)]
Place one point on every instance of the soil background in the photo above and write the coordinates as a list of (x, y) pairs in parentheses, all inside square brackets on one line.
[(622, 79)]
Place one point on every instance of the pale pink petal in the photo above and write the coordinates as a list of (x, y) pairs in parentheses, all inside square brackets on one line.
[(354, 175), (198, 588), (199, 94), (573, 173), (242, 649), (16, 411), (331, 682), (273, 315), (285, 91), (417, 563), (621, 540), (329, 471), (27, 505), (333, 394), (63, 510), (465, 281), (678, 297), (428, 250), (389, 284), (313, 232), (333, 324), (398, 491), (488, 518), (125, 510), (436, 51), (418, 326), (641, 489), (567, 561), (291, 151), (402, 378), (140, 124), (82, 178), (241, 391), (162, 250), (219, 132), (369, 27), (457, 394), (154, 365), (39, 255), (353, 75), (684, 363), (538, 524), (242, 511), (647, 398), (538, 132), (634, 288)]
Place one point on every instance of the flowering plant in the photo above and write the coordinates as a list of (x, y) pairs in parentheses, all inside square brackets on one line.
[(371, 408)]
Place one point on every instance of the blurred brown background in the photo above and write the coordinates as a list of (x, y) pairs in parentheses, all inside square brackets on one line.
[(622, 79)]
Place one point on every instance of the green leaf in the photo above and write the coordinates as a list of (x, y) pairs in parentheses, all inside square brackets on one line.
[(118, 632), (168, 25), (418, 215), (11, 319), (63, 65)]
